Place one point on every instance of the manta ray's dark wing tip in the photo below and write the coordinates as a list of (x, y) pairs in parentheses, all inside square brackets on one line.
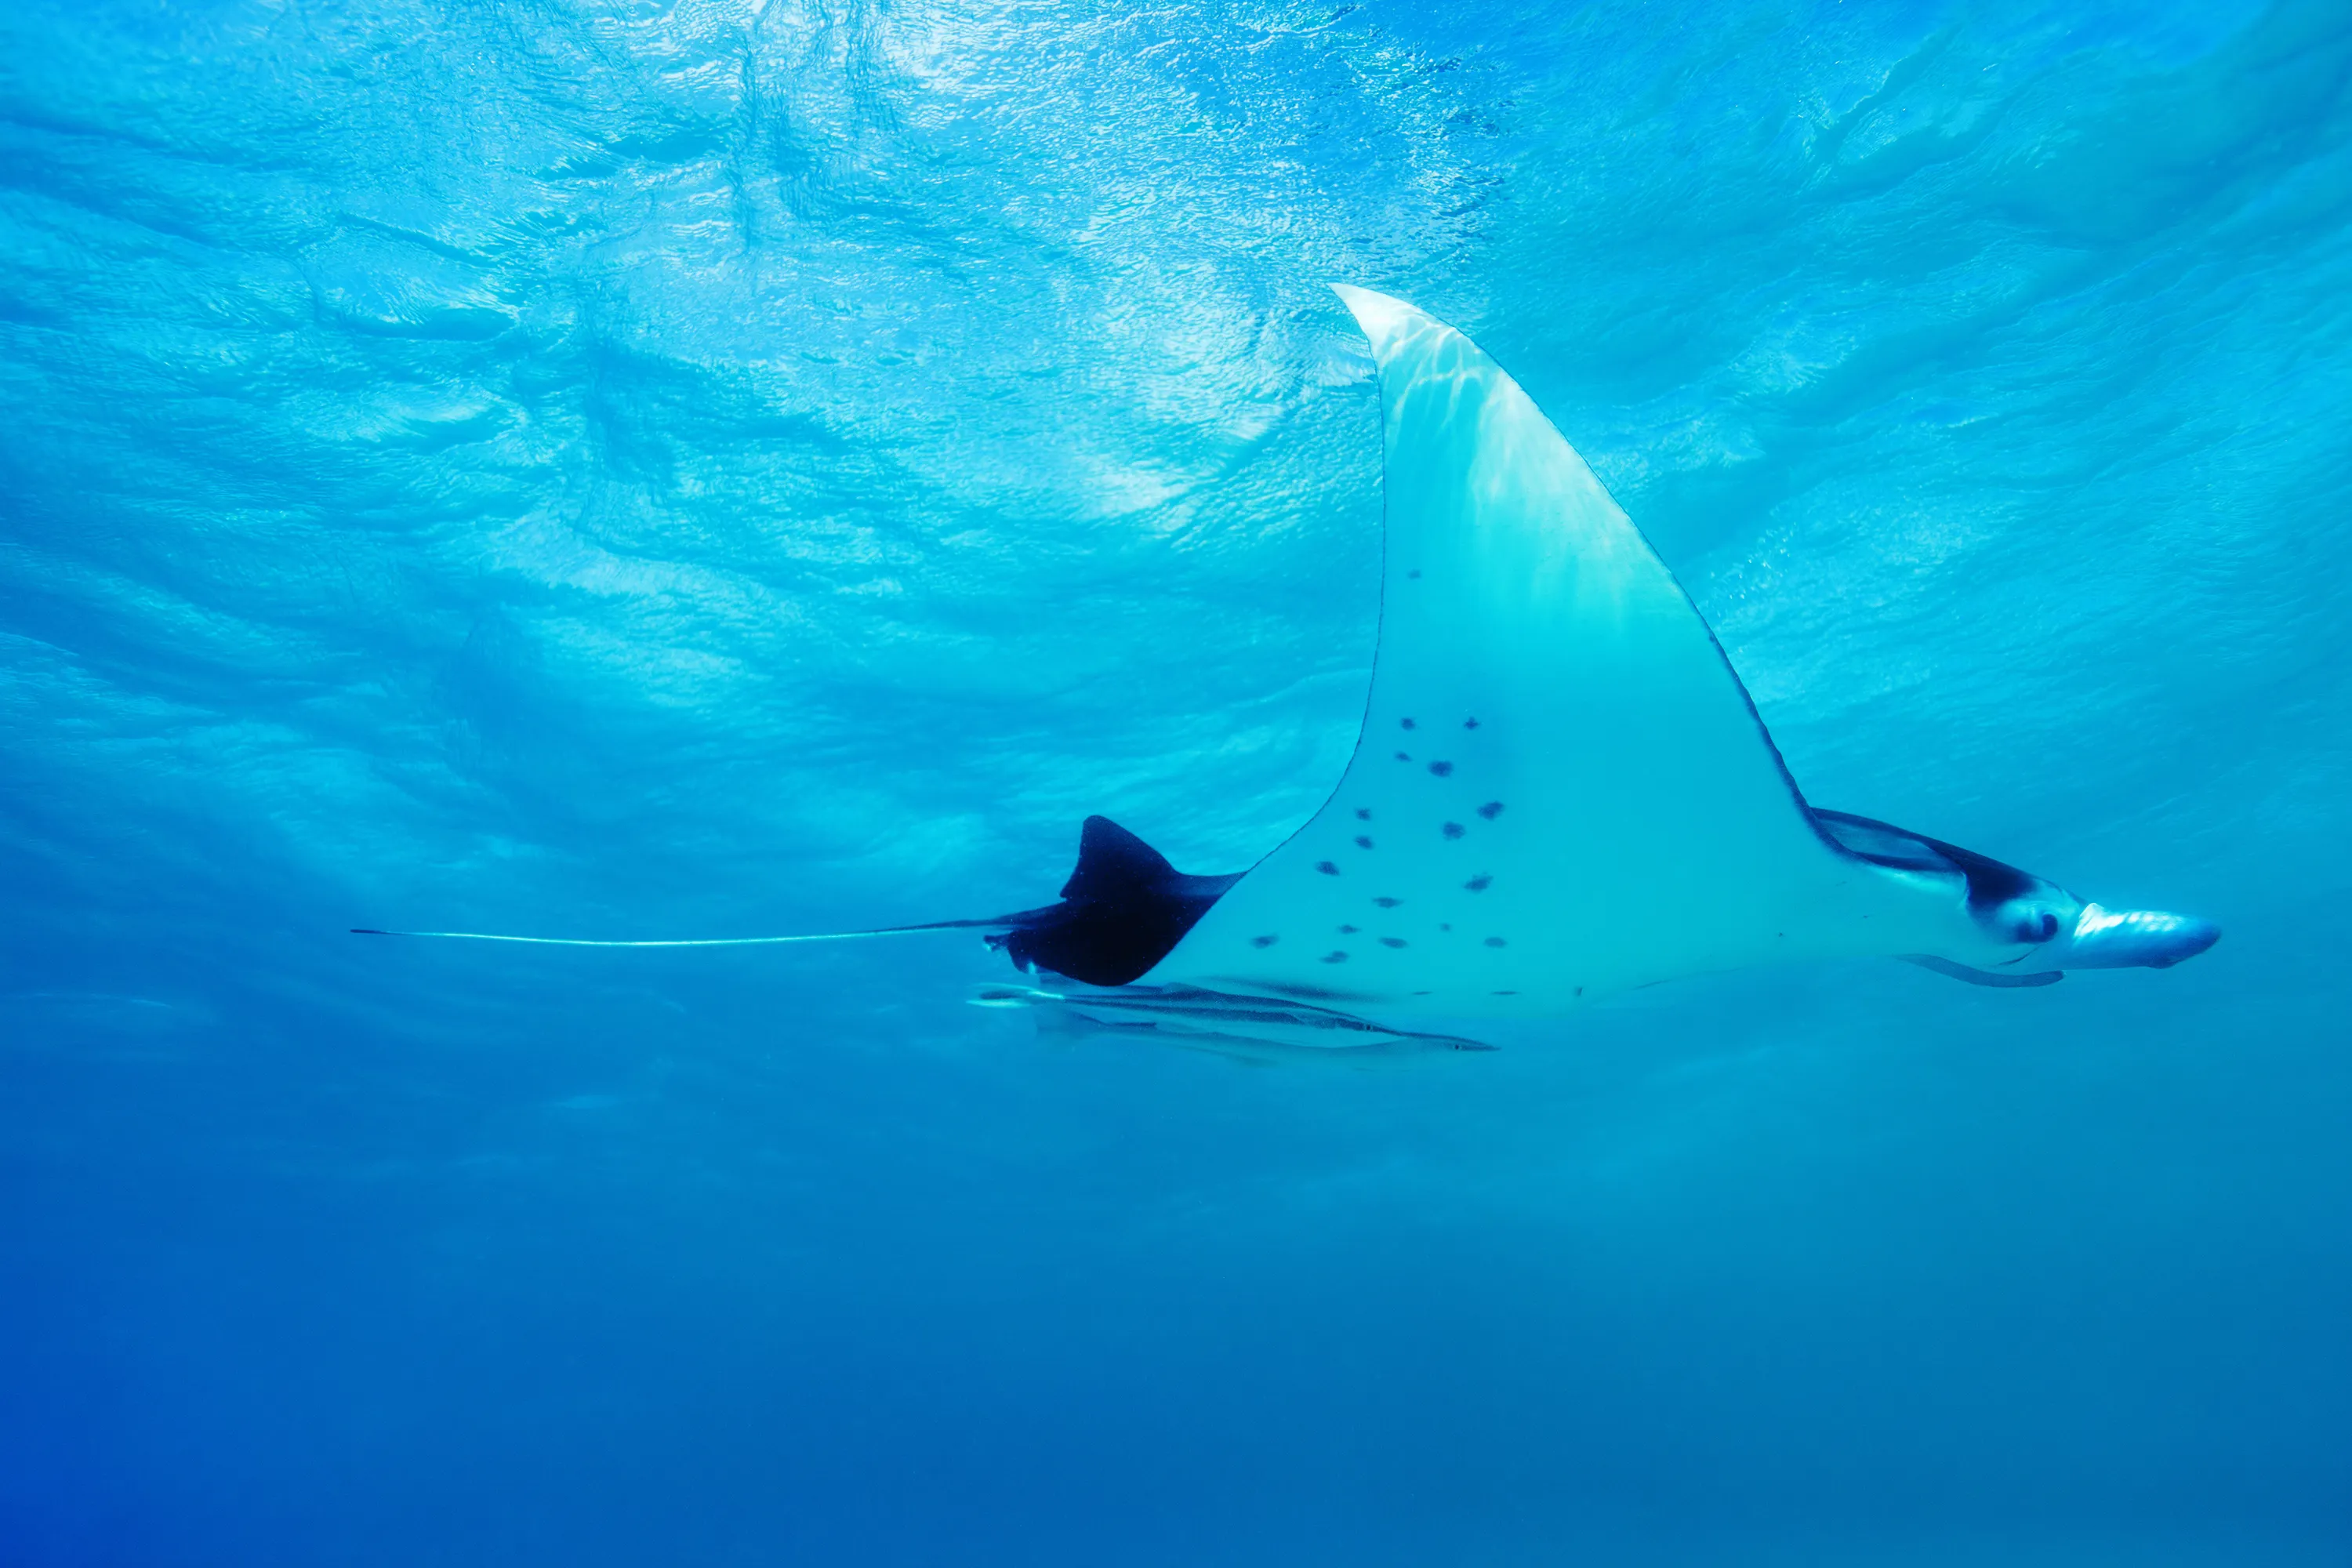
[(1112, 861), (1123, 909)]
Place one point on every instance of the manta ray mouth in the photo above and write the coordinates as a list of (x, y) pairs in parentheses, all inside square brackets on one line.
[(2137, 939)]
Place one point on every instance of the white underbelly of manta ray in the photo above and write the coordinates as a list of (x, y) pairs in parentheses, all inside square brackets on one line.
[(1561, 790)]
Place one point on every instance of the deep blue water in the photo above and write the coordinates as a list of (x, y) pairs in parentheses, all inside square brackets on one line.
[(637, 469)]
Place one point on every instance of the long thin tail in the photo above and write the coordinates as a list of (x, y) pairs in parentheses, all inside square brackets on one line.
[(688, 942)]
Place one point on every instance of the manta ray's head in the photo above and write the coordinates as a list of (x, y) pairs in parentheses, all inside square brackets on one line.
[(2015, 924), (2132, 939), (2051, 929)]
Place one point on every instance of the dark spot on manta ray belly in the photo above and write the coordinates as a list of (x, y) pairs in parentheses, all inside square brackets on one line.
[(1497, 941), (1504, 994), (1327, 868), (1405, 723), (1334, 957), (1441, 769), (1363, 814), (1404, 756), (1415, 572), (1452, 830), (1491, 810), (1469, 723), (1349, 931), (1362, 842), (1391, 942), (1264, 941), (1479, 883), (1387, 903), (1444, 927)]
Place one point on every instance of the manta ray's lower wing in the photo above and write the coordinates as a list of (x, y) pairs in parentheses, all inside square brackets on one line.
[(1971, 975), (1561, 788)]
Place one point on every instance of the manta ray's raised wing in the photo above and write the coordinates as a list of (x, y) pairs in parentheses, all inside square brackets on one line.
[(1561, 788)]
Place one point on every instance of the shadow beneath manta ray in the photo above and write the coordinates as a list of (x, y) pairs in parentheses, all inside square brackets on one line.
[(1255, 1028)]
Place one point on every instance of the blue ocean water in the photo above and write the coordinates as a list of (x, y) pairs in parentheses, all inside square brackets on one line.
[(625, 469)]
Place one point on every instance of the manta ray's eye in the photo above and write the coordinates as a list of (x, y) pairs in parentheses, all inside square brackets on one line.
[(2036, 925)]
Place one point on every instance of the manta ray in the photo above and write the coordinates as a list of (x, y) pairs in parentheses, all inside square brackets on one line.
[(1561, 792)]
